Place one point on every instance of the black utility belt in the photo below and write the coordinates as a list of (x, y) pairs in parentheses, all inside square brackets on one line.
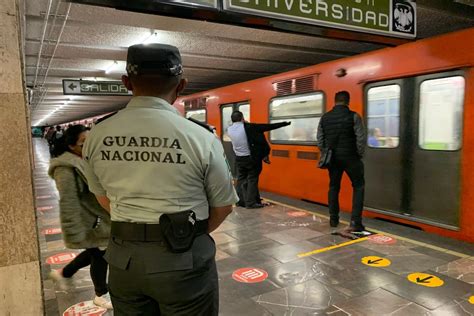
[(178, 230)]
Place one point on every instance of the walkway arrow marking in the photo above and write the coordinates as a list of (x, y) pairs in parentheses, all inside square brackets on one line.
[(374, 261), (425, 279)]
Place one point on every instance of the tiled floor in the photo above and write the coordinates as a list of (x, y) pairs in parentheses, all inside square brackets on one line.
[(334, 282)]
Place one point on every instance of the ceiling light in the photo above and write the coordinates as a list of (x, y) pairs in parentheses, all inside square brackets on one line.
[(153, 38), (111, 67)]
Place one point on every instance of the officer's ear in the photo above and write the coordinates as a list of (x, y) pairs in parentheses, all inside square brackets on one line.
[(181, 86), (127, 82)]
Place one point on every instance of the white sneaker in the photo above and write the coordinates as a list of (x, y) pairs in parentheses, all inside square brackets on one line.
[(63, 283), (103, 301)]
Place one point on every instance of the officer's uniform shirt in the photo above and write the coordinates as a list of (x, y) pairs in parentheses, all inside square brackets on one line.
[(239, 139), (149, 160)]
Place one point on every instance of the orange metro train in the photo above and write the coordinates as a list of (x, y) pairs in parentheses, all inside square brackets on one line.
[(417, 102)]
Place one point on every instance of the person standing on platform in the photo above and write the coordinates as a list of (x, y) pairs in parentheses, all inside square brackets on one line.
[(84, 223), (343, 130), (168, 185), (250, 147)]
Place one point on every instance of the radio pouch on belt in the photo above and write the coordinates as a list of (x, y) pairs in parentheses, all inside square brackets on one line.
[(178, 230)]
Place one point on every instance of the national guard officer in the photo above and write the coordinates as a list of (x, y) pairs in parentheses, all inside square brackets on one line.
[(167, 185)]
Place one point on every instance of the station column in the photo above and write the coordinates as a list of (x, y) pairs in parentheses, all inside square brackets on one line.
[(20, 277)]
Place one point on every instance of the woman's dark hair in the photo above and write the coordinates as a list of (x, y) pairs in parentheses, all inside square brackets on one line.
[(69, 138)]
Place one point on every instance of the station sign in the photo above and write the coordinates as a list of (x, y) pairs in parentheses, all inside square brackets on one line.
[(86, 87), (386, 17)]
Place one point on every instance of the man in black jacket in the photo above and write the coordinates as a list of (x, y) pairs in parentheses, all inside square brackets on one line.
[(250, 147), (343, 130)]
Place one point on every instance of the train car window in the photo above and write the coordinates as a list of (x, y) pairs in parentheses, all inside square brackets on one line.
[(383, 116), (441, 111), (245, 109), (199, 115), (304, 111), (227, 110)]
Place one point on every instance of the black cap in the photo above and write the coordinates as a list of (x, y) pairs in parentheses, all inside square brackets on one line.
[(148, 59)]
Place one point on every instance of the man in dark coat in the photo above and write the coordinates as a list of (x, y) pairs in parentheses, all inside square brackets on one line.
[(343, 130), (250, 147)]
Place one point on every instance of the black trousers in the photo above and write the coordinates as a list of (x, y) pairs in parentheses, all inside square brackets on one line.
[(355, 170), (95, 258), (248, 171), (147, 279)]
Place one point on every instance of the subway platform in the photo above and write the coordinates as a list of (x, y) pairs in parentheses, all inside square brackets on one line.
[(283, 260)]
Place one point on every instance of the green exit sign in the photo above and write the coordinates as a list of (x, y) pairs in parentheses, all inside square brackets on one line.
[(387, 17), (87, 87)]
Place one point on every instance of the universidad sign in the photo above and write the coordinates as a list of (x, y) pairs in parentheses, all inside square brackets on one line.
[(85, 87), (385, 17)]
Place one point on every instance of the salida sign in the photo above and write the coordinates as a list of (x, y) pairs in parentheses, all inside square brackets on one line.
[(388, 17), (85, 87)]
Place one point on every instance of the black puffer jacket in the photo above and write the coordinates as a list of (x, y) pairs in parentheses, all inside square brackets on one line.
[(350, 144)]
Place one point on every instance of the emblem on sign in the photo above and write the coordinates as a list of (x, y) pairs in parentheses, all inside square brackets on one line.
[(403, 17)]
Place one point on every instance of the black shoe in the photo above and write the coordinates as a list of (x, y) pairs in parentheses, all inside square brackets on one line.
[(333, 222), (240, 204), (256, 205), (357, 228)]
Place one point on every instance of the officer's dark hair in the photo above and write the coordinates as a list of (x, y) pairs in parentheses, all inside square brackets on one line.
[(58, 128), (70, 138), (342, 97), (237, 116), (155, 82)]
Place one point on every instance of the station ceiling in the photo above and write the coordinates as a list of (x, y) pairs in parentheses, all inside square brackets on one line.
[(64, 40)]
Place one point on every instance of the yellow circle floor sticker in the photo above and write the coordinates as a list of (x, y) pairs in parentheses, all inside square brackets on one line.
[(375, 261), (425, 279), (471, 299)]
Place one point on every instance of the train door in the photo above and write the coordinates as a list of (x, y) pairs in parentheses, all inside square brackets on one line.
[(413, 147), (226, 112)]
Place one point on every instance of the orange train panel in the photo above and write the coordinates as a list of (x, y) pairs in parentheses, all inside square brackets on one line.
[(300, 178)]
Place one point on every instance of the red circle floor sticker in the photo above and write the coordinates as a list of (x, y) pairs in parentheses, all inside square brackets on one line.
[(297, 214), (249, 275), (85, 309), (44, 208), (52, 231), (61, 258), (381, 239)]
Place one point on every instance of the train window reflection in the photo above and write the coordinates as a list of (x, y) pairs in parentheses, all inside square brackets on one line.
[(383, 116), (441, 110), (301, 130), (303, 111), (199, 115), (308, 104), (227, 113), (226, 122)]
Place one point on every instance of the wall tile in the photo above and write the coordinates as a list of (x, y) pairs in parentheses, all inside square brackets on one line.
[(22, 293), (18, 242), (10, 74)]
